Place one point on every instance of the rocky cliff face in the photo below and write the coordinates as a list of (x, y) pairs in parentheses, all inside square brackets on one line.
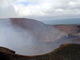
[(64, 52), (70, 29)]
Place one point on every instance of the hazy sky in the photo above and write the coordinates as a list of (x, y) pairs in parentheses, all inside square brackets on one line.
[(40, 9)]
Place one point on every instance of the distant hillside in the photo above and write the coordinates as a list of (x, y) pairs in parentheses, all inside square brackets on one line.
[(70, 29), (62, 21)]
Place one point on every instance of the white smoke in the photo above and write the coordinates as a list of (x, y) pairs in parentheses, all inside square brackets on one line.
[(27, 37)]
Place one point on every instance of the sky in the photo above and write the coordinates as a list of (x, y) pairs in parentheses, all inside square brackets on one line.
[(40, 9)]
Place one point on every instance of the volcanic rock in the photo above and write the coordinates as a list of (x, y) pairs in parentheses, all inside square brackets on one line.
[(64, 52)]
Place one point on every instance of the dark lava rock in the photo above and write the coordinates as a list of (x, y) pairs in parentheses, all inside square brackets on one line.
[(6, 50), (64, 52)]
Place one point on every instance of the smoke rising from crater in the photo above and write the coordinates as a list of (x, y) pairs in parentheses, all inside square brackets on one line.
[(26, 36)]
